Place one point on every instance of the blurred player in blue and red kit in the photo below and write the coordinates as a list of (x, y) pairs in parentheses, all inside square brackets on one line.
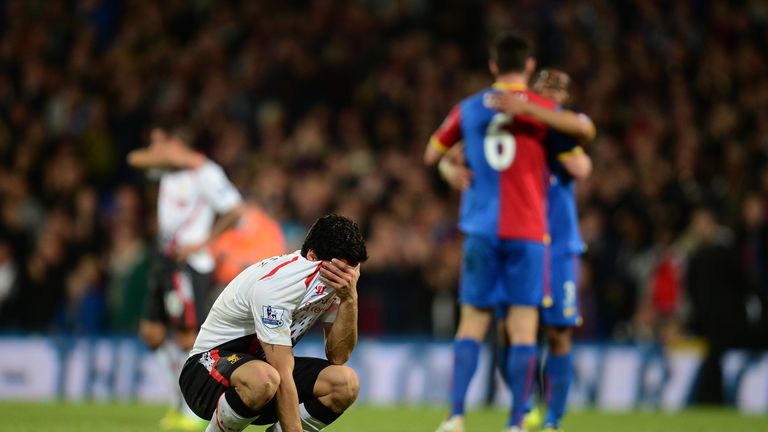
[(568, 162), (503, 218), (513, 257)]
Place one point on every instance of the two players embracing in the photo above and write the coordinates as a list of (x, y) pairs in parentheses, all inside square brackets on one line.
[(520, 150)]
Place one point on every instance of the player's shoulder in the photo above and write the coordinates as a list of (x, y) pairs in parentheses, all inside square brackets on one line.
[(284, 266), (208, 166), (478, 96), (475, 102)]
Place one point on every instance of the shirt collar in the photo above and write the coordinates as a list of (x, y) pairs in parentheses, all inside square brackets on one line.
[(505, 85)]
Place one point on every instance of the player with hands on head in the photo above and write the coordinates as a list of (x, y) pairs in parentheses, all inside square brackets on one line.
[(242, 369), (196, 204)]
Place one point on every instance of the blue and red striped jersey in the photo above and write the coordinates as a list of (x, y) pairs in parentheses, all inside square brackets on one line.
[(508, 158)]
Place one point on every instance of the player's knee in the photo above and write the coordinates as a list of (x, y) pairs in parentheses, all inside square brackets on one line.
[(346, 387), (153, 335), (270, 379), (559, 340), (473, 323), (256, 383), (186, 339)]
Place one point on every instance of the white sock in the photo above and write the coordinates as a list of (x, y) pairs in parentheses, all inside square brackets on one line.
[(167, 358), (183, 407), (171, 359), (309, 423), (225, 419)]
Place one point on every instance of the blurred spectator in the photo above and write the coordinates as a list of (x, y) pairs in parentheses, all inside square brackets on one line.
[(318, 106), (83, 309), (719, 297)]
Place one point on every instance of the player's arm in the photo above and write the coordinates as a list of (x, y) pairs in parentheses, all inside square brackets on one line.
[(341, 335), (448, 134), (569, 155), (281, 358), (576, 162), (155, 157), (224, 222), (272, 318), (225, 199), (571, 123), (453, 168)]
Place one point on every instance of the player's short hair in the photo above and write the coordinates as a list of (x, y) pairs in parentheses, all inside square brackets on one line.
[(553, 79), (510, 52), (176, 129), (334, 236)]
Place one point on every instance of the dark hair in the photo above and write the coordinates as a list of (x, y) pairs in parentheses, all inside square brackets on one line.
[(334, 236), (176, 129), (552, 78), (510, 52)]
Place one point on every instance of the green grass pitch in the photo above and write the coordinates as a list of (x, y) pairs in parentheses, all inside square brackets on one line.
[(22, 417)]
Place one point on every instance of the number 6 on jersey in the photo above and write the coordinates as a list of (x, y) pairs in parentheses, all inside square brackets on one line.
[(499, 144)]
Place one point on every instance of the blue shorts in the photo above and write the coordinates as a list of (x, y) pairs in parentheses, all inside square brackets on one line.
[(501, 272), (560, 306)]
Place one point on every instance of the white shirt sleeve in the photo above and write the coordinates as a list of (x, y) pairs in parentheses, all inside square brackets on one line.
[(272, 317), (329, 316), (214, 185)]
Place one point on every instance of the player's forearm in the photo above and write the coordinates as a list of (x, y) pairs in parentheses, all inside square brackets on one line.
[(147, 159), (567, 122), (224, 222), (342, 339), (432, 155), (579, 166), (281, 358), (287, 398)]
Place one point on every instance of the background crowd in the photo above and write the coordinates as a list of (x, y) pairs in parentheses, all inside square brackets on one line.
[(326, 105)]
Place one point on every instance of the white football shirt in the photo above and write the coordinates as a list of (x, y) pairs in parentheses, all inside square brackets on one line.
[(188, 202), (276, 300)]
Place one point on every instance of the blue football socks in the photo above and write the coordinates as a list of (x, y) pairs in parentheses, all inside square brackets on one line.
[(521, 367), (559, 372), (466, 353)]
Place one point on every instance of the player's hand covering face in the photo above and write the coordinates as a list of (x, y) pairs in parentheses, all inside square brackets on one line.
[(341, 276)]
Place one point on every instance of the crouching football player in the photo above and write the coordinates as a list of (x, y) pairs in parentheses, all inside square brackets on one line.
[(242, 370)]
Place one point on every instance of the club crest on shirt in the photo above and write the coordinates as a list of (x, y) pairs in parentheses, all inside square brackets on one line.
[(272, 317)]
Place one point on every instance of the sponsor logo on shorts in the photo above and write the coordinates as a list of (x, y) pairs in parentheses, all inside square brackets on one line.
[(234, 358), (273, 316), (207, 361)]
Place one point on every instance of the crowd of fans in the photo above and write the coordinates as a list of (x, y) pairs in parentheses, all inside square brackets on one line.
[(326, 105)]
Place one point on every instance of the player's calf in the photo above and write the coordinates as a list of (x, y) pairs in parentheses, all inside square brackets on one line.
[(152, 334), (185, 339), (253, 385), (558, 370), (521, 358), (337, 388)]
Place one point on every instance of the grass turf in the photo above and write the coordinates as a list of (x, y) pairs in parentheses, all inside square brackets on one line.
[(19, 417)]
